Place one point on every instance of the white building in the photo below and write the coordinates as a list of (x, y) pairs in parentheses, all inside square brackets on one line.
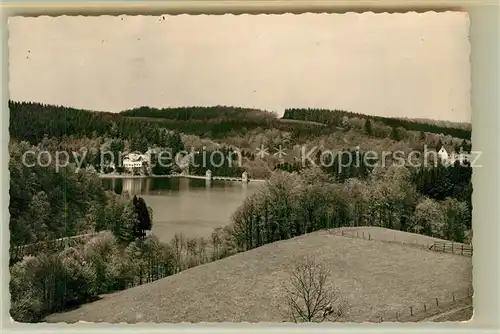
[(135, 161), (451, 158), (443, 154)]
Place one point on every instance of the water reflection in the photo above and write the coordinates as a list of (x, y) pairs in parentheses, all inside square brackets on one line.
[(157, 186), (189, 206)]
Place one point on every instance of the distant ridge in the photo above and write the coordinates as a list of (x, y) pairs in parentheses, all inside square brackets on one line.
[(214, 122), (448, 124), (199, 113), (336, 118)]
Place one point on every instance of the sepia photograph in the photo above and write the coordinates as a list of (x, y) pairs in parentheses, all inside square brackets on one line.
[(291, 168)]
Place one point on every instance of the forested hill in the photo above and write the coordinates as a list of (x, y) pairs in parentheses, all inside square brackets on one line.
[(32, 121), (446, 124), (200, 113), (337, 118)]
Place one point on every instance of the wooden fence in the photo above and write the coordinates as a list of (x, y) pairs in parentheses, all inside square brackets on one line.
[(451, 247), (419, 310), (368, 236), (437, 246), (424, 310)]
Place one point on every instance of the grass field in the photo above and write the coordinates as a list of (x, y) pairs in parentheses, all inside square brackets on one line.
[(375, 277), (385, 234), (409, 239), (460, 314), (286, 120)]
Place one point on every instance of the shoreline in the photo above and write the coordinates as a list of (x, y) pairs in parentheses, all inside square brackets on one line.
[(196, 177), (119, 176)]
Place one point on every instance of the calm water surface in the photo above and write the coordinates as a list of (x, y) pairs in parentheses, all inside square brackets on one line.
[(192, 207)]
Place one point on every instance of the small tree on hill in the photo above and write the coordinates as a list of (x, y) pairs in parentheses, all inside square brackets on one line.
[(368, 127), (311, 297)]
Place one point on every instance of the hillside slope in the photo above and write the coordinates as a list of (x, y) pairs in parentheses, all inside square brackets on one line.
[(377, 278)]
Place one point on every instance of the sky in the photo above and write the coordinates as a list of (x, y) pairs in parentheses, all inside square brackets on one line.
[(396, 65)]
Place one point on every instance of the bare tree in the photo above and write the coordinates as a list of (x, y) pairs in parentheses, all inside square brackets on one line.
[(178, 244), (216, 243), (310, 296)]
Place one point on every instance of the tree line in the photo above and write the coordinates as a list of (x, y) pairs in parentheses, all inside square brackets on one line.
[(30, 121), (221, 162), (347, 164), (337, 117), (200, 113), (291, 204)]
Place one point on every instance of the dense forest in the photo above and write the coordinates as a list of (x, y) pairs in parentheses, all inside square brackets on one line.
[(223, 163), (292, 204), (219, 113), (49, 202), (33, 121)]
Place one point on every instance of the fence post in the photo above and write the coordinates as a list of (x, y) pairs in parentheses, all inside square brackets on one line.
[(369, 236), (462, 249), (425, 308), (411, 310), (453, 296), (357, 234), (452, 248), (437, 302)]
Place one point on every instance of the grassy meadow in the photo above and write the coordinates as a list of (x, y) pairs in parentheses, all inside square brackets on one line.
[(376, 278)]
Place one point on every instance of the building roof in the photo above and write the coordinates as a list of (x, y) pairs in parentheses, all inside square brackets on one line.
[(135, 157)]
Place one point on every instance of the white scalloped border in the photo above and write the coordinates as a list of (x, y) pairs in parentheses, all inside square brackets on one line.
[(307, 13), (205, 326)]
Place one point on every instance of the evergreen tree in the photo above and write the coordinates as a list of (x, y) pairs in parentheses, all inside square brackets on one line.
[(368, 127), (175, 143), (395, 134), (422, 136), (143, 218), (142, 145), (117, 149)]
